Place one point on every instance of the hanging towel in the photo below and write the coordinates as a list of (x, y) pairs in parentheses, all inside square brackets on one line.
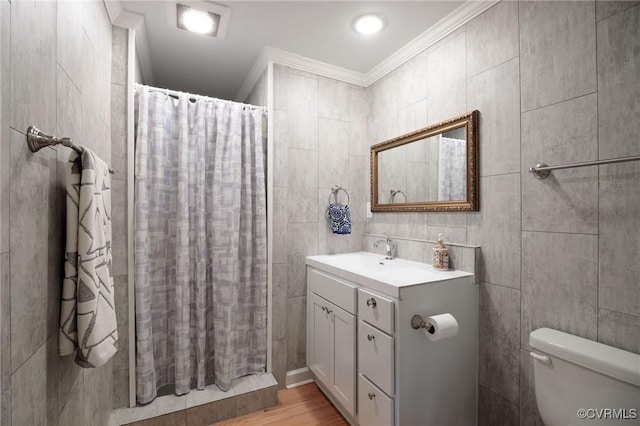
[(87, 315), (340, 218)]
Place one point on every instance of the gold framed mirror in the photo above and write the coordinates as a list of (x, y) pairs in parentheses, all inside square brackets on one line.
[(433, 169)]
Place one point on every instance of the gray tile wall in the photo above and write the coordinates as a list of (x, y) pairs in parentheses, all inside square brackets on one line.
[(555, 84), (55, 73), (119, 62), (580, 223), (320, 140)]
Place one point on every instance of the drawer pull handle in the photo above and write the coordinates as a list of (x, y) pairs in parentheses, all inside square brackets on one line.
[(372, 395), (370, 337), (371, 303)]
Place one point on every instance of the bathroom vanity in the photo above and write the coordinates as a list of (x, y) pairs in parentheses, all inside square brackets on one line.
[(368, 359)]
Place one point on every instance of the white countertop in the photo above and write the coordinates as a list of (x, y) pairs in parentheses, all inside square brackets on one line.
[(374, 271)]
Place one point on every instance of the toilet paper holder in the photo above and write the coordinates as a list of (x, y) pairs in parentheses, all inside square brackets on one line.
[(417, 322)]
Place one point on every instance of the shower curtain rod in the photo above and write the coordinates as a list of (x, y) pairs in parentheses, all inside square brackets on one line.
[(194, 97)]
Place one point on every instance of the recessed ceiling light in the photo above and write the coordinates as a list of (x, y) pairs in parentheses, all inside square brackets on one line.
[(200, 17), (368, 24), (197, 21)]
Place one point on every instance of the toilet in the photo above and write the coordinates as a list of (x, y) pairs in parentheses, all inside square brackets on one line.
[(573, 374)]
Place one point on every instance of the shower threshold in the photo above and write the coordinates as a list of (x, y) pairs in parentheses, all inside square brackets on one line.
[(237, 401)]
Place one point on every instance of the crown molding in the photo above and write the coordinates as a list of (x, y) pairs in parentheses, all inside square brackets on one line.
[(299, 62), (456, 19), (114, 9), (133, 21), (303, 63), (259, 66), (142, 50)]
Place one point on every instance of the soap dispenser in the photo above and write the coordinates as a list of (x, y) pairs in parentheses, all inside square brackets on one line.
[(440, 255)]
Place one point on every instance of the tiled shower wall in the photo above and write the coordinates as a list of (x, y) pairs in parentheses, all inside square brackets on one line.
[(554, 82), (56, 74)]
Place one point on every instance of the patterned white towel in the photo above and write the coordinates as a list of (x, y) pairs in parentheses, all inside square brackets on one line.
[(87, 315)]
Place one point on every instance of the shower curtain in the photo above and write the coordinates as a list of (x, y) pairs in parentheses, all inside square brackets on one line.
[(200, 242), (452, 169)]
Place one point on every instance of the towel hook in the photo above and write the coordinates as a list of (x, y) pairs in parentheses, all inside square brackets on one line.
[(395, 192), (334, 190)]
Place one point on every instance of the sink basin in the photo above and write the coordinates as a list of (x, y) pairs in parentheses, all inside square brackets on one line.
[(374, 271)]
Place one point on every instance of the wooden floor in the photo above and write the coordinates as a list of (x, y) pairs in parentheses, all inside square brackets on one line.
[(303, 405)]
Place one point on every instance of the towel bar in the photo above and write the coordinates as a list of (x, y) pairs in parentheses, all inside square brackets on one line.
[(36, 140), (542, 170)]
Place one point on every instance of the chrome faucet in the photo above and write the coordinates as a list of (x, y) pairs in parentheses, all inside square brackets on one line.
[(390, 248)]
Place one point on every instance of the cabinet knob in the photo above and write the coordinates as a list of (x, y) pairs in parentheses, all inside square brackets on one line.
[(372, 395), (371, 303), (324, 308), (370, 337)]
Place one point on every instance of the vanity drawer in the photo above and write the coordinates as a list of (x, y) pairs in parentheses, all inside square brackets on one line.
[(376, 356), (375, 310), (374, 407), (334, 290)]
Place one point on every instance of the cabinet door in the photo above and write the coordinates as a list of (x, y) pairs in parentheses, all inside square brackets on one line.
[(344, 358), (320, 328)]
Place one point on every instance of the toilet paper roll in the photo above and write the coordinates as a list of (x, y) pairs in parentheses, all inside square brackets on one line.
[(444, 326)]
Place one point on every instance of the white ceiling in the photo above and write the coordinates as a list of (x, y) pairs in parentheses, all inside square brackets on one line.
[(319, 30)]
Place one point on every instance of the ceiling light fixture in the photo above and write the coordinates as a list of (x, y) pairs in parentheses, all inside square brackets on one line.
[(368, 24), (200, 17), (197, 21)]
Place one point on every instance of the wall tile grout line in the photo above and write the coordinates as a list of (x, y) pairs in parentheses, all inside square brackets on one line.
[(521, 316), (595, 25), (68, 76), (557, 232), (559, 102), (29, 357), (618, 312), (493, 67), (500, 285)]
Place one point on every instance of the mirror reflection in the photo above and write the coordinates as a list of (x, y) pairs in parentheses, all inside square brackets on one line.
[(431, 169)]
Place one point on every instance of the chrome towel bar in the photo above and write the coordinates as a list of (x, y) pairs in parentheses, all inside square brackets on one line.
[(542, 170), (36, 140)]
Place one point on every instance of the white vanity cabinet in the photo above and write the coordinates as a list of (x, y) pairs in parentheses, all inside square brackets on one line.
[(366, 357), (331, 336)]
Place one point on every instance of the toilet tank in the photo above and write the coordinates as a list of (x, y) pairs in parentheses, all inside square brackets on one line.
[(582, 382)]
